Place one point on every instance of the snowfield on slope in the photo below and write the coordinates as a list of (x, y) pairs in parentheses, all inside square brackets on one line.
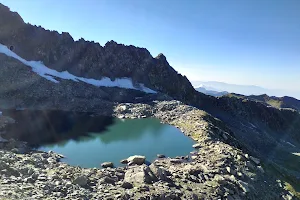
[(50, 74)]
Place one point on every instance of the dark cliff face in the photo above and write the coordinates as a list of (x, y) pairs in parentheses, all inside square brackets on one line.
[(90, 60)]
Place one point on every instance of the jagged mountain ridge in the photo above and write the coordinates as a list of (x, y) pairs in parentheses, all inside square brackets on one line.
[(89, 59)]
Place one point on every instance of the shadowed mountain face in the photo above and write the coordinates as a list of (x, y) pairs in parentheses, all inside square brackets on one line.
[(277, 102), (22, 87)]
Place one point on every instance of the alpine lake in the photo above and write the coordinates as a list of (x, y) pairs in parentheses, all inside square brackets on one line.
[(87, 140)]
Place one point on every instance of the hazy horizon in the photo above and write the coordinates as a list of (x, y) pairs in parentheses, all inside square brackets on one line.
[(243, 89), (236, 42)]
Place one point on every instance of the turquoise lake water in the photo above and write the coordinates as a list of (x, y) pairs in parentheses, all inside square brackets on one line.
[(88, 141)]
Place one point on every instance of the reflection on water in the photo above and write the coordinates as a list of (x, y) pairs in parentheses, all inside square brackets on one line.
[(40, 128), (88, 141)]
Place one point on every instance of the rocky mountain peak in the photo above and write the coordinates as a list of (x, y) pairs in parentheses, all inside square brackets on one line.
[(13, 17), (161, 57), (111, 43)]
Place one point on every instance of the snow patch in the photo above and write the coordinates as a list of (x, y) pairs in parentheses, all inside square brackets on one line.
[(50, 74)]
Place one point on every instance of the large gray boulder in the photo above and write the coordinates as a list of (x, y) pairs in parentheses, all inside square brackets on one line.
[(139, 175), (136, 159), (160, 172), (81, 181)]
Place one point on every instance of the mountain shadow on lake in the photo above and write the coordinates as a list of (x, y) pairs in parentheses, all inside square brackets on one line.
[(42, 127)]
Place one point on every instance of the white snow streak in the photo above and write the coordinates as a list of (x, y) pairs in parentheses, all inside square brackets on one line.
[(50, 74)]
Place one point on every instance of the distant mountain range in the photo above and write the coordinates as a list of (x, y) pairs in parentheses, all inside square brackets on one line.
[(242, 89), (213, 89), (211, 92)]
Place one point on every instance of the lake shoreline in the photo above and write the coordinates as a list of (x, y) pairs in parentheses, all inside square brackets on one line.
[(220, 168)]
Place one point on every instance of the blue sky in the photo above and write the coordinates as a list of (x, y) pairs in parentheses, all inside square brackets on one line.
[(250, 42)]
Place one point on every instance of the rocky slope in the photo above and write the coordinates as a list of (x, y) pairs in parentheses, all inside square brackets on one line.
[(218, 168)]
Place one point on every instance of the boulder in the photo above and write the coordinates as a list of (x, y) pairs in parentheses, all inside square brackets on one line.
[(161, 156), (137, 159), (197, 146), (139, 175), (108, 180), (81, 181), (107, 164), (123, 108), (160, 172), (126, 185), (176, 161), (124, 161)]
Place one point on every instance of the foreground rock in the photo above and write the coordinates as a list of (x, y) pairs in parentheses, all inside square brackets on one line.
[(139, 174), (138, 160), (218, 170), (81, 181)]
